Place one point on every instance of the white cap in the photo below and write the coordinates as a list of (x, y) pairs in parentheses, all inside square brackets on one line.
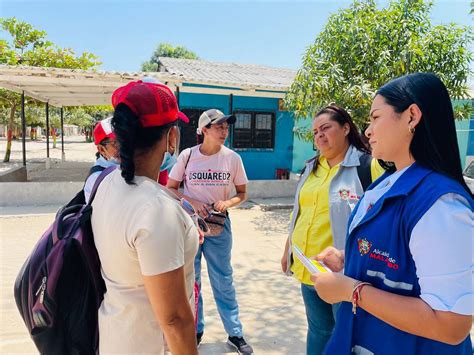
[(150, 79), (213, 116)]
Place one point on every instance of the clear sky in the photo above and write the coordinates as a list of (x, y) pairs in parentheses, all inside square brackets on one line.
[(125, 33)]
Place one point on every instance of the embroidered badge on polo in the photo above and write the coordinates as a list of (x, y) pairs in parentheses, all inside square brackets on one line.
[(364, 246), (344, 194)]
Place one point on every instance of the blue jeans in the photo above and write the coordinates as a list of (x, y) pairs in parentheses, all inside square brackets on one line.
[(217, 251), (321, 319)]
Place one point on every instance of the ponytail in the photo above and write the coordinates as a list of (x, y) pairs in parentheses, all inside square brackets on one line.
[(134, 139), (126, 126), (199, 138)]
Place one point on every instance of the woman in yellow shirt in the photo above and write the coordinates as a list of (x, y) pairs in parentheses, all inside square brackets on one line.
[(330, 186)]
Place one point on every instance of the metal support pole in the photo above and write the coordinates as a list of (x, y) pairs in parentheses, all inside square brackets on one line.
[(47, 130), (48, 162), (63, 155), (231, 104), (231, 111), (177, 95), (23, 127)]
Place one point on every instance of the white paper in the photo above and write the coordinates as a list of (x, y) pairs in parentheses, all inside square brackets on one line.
[(308, 263)]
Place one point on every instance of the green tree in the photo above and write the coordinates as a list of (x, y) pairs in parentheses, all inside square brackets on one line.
[(170, 51), (29, 46), (363, 47)]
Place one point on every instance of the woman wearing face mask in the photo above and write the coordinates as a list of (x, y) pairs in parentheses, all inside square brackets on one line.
[(169, 161), (210, 172), (107, 153), (146, 242), (407, 283), (329, 188)]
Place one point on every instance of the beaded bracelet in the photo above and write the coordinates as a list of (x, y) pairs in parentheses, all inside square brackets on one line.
[(358, 285)]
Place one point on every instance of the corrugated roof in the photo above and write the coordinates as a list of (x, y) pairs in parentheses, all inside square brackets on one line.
[(246, 76), (69, 87), (74, 87)]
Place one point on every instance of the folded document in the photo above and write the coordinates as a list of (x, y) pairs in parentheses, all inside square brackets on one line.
[(313, 266)]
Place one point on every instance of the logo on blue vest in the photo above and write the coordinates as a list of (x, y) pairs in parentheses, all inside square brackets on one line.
[(364, 246)]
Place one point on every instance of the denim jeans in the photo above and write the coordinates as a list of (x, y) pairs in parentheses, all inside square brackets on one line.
[(321, 319), (217, 252)]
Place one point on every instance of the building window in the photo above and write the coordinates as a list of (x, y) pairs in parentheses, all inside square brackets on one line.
[(254, 130)]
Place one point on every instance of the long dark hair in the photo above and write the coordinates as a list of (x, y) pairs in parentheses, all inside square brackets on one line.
[(341, 116), (434, 144), (133, 138)]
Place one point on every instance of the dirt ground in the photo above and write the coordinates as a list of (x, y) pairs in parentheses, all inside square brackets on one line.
[(80, 156), (271, 307)]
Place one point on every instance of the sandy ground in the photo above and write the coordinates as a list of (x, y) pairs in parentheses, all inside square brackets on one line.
[(80, 156), (271, 308)]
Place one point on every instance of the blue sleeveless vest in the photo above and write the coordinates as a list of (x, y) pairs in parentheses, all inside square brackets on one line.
[(377, 251)]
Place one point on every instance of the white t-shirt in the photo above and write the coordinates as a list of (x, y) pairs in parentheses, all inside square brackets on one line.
[(138, 230), (441, 244), (89, 185), (209, 178)]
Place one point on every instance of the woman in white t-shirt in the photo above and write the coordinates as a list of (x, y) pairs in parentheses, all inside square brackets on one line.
[(210, 172), (145, 240)]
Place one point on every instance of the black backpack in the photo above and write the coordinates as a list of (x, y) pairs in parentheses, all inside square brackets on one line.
[(59, 289)]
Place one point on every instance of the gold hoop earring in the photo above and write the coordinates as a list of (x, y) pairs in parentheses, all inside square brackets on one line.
[(412, 130)]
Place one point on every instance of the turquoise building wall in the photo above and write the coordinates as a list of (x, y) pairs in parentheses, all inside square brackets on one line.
[(302, 150), (260, 164)]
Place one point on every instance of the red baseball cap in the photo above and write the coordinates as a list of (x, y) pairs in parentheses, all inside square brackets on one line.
[(153, 103), (102, 130)]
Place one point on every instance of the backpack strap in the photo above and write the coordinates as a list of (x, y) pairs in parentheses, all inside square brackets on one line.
[(95, 169), (101, 177), (187, 161), (364, 171), (186, 165)]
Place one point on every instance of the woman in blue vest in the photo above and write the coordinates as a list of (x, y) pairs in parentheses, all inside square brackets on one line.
[(407, 282)]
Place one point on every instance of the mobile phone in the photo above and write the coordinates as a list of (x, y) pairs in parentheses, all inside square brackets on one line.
[(313, 266)]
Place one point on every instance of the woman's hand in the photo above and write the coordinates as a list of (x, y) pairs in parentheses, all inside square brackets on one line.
[(221, 206), (200, 207), (201, 235), (332, 257), (333, 287)]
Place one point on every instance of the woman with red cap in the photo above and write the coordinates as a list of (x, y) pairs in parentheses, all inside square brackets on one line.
[(146, 242), (107, 153)]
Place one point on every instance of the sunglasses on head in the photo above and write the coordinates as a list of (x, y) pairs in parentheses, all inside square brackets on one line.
[(198, 220)]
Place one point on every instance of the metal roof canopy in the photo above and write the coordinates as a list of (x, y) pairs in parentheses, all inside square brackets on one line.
[(73, 87), (69, 87)]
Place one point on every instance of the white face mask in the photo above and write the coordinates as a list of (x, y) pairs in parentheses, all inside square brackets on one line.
[(169, 160), (114, 160)]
